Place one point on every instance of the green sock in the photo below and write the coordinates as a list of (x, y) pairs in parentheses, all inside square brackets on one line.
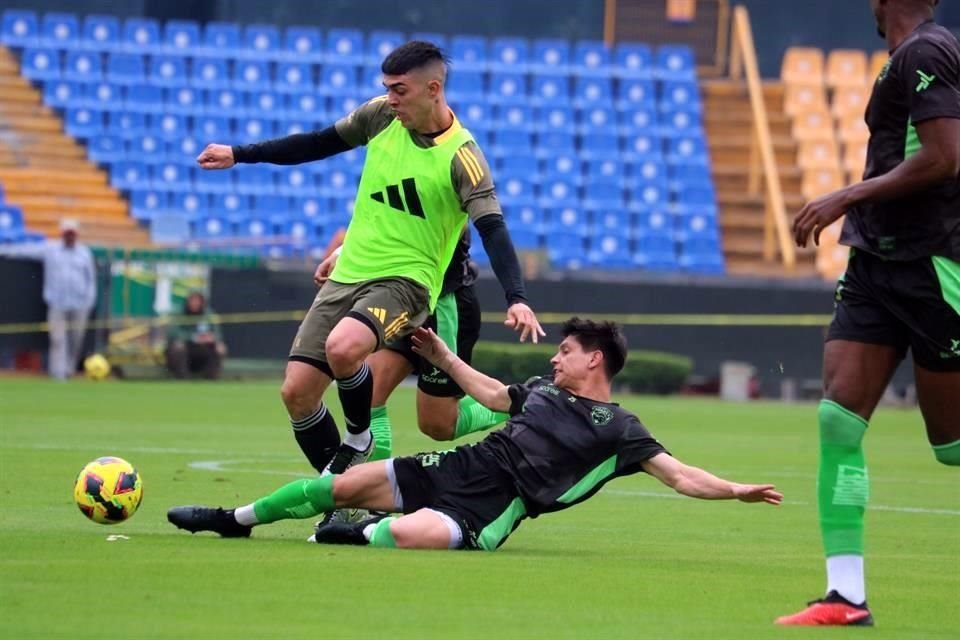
[(299, 499), (843, 486), (382, 434), (381, 536), (473, 417), (948, 454)]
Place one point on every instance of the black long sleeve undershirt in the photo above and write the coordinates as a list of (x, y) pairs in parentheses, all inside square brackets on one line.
[(503, 258), (294, 149)]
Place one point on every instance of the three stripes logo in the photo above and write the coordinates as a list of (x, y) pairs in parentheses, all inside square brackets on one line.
[(392, 329), (408, 203), (378, 313)]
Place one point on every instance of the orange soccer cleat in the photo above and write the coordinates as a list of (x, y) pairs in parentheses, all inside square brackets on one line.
[(833, 610)]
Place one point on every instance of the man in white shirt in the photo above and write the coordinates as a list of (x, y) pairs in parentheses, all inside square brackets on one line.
[(70, 291)]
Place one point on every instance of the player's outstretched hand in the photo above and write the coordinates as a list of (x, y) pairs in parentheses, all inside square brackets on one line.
[(428, 345), (757, 493), (216, 156), (324, 269), (817, 215), (521, 317)]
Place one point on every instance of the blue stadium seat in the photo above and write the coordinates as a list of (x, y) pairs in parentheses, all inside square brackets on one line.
[(474, 114), (512, 140), (181, 37), (261, 41), (524, 165), (636, 93), (633, 60), (650, 195), (212, 227), (296, 229), (168, 71), (345, 46), (225, 102), (255, 179), (564, 166), (126, 68), (251, 75), (306, 106), (265, 104), (603, 194), (465, 85), (610, 251), (209, 73), (293, 77), (638, 120), (129, 124), (592, 91), (294, 181), (552, 141), (608, 169), (228, 204), (609, 221), (697, 226), (60, 31), (311, 207), (555, 192), (302, 44), (101, 32), (183, 100), (469, 52), (688, 150), (696, 199), (213, 128), (192, 204), (514, 115), (372, 82), (147, 147), (83, 122), (599, 144), (103, 96), (680, 94), (216, 182), (705, 260), (339, 182), (567, 258), (338, 80), (557, 118), (83, 66), (265, 206), (509, 55), (646, 171), (221, 39), (291, 127), (168, 126), (507, 86), (140, 35), (550, 55), (146, 204), (252, 129), (684, 174), (526, 216), (171, 176), (62, 93), (598, 119), (129, 175), (338, 214), (380, 44), (516, 190), (550, 90), (675, 62), (591, 58), (643, 146), (342, 105), (20, 28), (680, 123), (438, 39), (105, 149)]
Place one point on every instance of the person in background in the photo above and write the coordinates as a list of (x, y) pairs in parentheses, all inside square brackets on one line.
[(70, 291), (194, 344)]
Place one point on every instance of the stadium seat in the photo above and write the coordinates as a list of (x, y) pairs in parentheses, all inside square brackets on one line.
[(306, 106), (126, 68), (251, 75), (818, 154), (599, 144), (465, 85), (172, 176), (83, 122), (147, 147), (688, 149), (168, 71), (812, 125), (802, 66), (850, 101), (633, 60), (800, 98), (514, 115), (649, 195), (209, 73), (265, 205), (312, 207), (212, 227), (592, 91), (146, 204), (129, 175), (62, 93), (635, 93), (183, 100), (11, 223), (591, 58), (551, 142), (557, 118), (819, 182), (852, 128), (550, 90), (302, 44), (682, 174), (168, 126), (221, 39), (643, 146), (140, 35), (509, 55), (101, 32), (224, 102), (129, 124), (260, 41), (192, 204), (294, 181), (524, 165), (680, 122), (102, 96), (550, 55), (181, 37), (516, 190), (265, 104), (563, 166), (469, 52), (345, 47), (213, 127), (215, 182), (597, 119), (612, 221), (20, 28), (380, 44), (610, 251), (680, 94), (507, 86), (371, 84), (608, 169), (338, 79), (556, 193), (603, 194), (105, 149), (846, 68), (854, 160), (255, 227), (675, 62), (474, 113), (253, 129), (60, 31), (83, 66)]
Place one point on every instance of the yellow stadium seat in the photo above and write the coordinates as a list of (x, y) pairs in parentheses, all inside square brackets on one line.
[(855, 159), (818, 154), (802, 65), (804, 97), (846, 68), (813, 125), (819, 182), (878, 61), (832, 257), (852, 129), (850, 100)]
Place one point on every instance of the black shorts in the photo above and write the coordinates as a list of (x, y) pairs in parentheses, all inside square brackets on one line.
[(456, 319), (904, 304), (463, 484)]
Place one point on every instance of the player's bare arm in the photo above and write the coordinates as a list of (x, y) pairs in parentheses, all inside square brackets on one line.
[(488, 391), (697, 483)]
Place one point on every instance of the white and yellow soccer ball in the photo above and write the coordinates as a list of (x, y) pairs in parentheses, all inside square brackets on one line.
[(96, 367), (108, 490)]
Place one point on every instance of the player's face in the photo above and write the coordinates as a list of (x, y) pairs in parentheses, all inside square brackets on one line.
[(409, 95), (572, 363)]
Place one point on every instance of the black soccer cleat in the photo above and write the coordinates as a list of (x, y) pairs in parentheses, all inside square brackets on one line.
[(331, 531), (194, 519), (346, 457)]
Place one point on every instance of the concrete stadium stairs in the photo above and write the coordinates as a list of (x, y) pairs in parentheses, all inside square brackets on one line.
[(47, 174), (728, 123)]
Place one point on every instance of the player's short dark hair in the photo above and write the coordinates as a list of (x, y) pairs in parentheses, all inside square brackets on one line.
[(606, 337), (415, 54)]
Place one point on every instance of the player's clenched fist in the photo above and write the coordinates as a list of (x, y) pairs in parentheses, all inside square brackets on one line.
[(216, 156)]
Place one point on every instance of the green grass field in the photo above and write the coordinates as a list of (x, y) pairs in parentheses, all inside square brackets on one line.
[(634, 562)]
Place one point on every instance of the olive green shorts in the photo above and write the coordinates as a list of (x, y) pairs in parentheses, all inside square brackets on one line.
[(392, 307)]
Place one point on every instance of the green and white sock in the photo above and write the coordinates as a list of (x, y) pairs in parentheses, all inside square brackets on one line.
[(297, 500), (382, 434), (378, 534), (473, 417)]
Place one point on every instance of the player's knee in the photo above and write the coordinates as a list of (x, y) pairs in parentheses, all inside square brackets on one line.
[(839, 426), (344, 356), (441, 430), (296, 398), (948, 454)]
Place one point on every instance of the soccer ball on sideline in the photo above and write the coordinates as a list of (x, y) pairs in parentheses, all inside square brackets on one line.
[(96, 367), (108, 490)]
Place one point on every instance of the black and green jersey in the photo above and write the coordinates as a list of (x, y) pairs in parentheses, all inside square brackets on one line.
[(558, 449), (920, 82)]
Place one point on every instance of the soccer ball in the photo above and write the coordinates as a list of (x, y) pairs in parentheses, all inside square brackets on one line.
[(96, 367), (108, 490)]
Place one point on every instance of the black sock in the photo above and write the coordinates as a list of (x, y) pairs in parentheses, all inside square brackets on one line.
[(356, 395), (318, 437)]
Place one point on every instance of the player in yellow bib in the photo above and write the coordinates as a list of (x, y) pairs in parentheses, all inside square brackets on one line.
[(422, 180)]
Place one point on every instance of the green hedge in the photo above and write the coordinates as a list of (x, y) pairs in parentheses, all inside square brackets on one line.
[(645, 371)]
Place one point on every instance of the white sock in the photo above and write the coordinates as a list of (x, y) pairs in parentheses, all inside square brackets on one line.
[(359, 441), (845, 576), (368, 530), (245, 516)]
